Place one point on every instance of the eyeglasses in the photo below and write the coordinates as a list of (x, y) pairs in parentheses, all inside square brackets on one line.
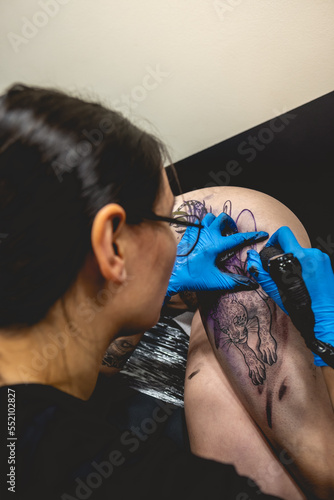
[(180, 223)]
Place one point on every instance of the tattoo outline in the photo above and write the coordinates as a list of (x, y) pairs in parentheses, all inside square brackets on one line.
[(250, 318)]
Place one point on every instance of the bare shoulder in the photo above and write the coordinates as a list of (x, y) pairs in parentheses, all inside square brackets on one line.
[(251, 209)]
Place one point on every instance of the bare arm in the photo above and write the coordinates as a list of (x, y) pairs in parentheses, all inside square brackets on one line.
[(118, 353)]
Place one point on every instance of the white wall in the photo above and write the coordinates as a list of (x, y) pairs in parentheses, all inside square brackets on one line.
[(200, 70)]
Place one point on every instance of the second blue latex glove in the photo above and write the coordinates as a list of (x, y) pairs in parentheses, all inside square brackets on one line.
[(198, 271), (255, 268), (317, 274)]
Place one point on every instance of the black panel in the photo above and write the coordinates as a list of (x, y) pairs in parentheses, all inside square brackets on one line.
[(291, 160)]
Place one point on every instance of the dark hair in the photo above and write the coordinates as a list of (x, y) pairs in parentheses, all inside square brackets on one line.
[(62, 160)]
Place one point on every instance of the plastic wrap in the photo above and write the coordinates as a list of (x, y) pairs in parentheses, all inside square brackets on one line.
[(157, 366)]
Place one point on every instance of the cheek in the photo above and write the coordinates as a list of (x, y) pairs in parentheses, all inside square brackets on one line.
[(155, 277), (155, 256), (165, 253), (170, 253)]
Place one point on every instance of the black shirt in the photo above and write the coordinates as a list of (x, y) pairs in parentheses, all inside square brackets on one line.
[(110, 447)]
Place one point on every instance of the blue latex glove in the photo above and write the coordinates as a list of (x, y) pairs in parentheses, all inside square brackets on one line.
[(197, 271), (318, 277), (255, 269)]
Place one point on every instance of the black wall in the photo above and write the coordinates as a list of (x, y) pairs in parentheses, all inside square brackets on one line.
[(290, 159)]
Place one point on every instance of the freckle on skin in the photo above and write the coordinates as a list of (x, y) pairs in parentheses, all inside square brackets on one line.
[(193, 374), (282, 390)]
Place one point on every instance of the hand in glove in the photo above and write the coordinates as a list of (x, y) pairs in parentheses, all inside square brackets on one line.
[(318, 277), (198, 271)]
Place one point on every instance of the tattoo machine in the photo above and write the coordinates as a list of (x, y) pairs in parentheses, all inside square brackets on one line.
[(286, 271)]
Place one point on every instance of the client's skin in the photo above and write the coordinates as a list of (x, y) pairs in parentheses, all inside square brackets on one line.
[(250, 377), (122, 264)]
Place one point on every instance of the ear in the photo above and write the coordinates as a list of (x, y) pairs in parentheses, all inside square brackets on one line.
[(107, 229)]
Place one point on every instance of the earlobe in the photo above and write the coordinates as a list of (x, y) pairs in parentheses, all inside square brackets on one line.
[(116, 270), (105, 236)]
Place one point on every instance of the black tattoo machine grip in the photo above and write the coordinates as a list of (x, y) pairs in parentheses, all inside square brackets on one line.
[(286, 271)]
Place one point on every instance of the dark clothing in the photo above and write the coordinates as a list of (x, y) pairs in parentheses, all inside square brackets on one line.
[(117, 445)]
